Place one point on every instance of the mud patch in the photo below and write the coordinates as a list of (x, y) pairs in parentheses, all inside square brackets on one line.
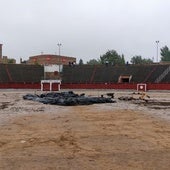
[(4, 105), (25, 109)]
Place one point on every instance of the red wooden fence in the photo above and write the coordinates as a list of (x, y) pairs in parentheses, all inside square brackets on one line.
[(133, 86)]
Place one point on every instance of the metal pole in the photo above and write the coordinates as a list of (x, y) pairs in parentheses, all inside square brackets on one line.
[(59, 45), (157, 42)]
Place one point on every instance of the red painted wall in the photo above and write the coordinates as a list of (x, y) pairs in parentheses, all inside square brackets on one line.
[(164, 86), (98, 86), (20, 86)]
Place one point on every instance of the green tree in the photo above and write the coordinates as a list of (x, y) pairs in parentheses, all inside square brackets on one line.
[(81, 62), (93, 62), (123, 59), (136, 59), (165, 53), (139, 60), (112, 57), (11, 61), (147, 61)]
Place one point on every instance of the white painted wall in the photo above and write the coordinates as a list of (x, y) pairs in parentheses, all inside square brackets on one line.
[(53, 68)]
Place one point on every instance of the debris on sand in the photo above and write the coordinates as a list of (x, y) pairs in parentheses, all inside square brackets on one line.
[(136, 96), (146, 100), (67, 98)]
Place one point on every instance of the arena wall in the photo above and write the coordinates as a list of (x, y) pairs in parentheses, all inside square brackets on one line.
[(133, 86), (14, 76)]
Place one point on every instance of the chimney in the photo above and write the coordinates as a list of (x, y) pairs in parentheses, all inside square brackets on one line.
[(1, 51)]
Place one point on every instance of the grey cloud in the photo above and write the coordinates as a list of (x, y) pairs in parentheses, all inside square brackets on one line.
[(86, 29)]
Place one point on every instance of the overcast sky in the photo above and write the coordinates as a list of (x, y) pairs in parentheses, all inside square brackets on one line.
[(85, 28)]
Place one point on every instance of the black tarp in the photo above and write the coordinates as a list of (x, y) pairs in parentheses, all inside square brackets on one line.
[(66, 98)]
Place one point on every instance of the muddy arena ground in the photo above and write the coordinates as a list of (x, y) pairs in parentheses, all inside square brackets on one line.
[(126, 135)]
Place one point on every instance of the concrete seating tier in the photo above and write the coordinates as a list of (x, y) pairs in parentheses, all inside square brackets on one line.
[(155, 72), (21, 73), (3, 74), (111, 74)]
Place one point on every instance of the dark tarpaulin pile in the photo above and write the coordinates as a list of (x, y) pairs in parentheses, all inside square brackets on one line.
[(66, 98)]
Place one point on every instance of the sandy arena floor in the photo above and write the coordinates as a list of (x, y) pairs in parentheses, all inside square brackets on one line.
[(114, 136)]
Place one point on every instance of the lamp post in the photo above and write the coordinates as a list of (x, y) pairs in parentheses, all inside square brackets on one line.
[(59, 45), (157, 42)]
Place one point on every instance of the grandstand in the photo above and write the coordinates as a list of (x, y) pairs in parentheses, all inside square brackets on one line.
[(156, 76), (112, 74), (21, 76), (21, 73)]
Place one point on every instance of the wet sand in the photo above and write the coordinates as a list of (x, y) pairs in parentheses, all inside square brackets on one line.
[(120, 135)]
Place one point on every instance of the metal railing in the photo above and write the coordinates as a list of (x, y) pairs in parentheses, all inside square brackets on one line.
[(160, 78)]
